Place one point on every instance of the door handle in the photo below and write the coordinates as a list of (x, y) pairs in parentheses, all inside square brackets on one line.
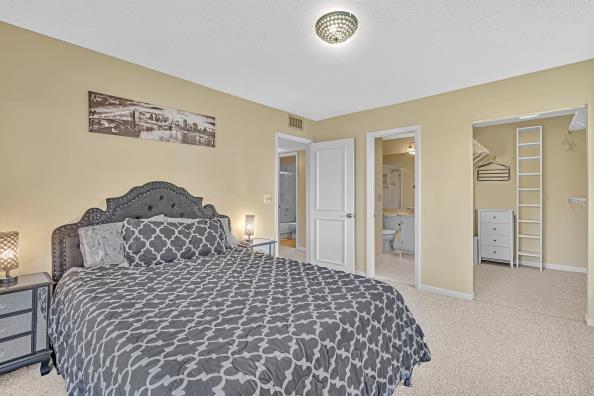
[(350, 215)]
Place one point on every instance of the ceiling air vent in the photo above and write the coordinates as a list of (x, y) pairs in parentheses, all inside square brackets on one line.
[(295, 122)]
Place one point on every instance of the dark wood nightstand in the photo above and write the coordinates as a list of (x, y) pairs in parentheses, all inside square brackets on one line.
[(24, 309), (260, 244)]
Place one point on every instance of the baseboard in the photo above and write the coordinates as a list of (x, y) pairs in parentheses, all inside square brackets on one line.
[(447, 292), (590, 321), (556, 267), (362, 273)]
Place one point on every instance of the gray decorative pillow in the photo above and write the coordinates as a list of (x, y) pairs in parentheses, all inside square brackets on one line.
[(149, 243), (102, 244), (229, 238)]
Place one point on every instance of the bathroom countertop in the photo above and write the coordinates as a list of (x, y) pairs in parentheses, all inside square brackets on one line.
[(398, 212)]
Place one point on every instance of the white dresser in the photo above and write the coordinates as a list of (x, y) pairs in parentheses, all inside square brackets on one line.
[(496, 235)]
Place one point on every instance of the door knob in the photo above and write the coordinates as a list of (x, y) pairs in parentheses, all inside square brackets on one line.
[(350, 215)]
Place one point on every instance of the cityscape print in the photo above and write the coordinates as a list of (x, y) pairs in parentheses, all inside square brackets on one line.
[(125, 117)]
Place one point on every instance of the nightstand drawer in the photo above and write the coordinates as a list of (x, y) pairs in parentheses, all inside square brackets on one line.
[(17, 301), (15, 325), (15, 348)]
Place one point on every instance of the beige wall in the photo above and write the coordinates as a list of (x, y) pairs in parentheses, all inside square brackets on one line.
[(53, 169), (565, 226), (445, 147)]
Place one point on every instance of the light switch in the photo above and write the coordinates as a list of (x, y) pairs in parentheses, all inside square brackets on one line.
[(267, 198)]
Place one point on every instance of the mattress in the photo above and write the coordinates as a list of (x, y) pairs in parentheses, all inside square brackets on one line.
[(239, 323)]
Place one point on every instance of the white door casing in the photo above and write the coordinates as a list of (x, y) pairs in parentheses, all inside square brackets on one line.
[(332, 204)]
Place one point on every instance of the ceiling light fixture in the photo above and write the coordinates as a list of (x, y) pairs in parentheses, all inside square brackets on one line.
[(336, 26), (411, 148)]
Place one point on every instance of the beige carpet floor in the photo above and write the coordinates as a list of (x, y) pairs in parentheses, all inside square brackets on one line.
[(484, 347)]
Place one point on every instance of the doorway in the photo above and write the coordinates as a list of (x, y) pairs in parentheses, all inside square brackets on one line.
[(291, 196), (530, 212), (393, 205)]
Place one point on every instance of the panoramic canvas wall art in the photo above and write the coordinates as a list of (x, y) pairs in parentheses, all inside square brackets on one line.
[(125, 117)]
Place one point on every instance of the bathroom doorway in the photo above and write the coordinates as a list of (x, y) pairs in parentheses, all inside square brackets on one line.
[(393, 205), (291, 196)]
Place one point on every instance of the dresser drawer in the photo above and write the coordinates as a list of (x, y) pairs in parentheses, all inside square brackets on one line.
[(495, 252), (17, 301), (495, 229), (15, 325), (495, 240), (495, 217), (15, 348)]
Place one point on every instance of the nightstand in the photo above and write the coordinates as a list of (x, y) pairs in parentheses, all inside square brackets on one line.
[(259, 244), (24, 309)]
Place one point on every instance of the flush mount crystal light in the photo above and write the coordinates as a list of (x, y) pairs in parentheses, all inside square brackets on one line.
[(337, 26)]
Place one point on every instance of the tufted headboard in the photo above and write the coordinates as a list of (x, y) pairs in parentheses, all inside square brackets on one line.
[(142, 202)]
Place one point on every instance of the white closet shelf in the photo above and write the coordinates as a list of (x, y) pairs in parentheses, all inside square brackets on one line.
[(528, 253), (529, 236), (534, 157), (579, 201), (529, 144)]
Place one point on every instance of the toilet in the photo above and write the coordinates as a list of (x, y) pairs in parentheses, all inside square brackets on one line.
[(387, 237), (390, 227)]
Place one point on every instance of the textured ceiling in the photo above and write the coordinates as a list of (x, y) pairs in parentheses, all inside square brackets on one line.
[(267, 51)]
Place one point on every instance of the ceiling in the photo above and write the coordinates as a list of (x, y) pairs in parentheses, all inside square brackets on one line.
[(267, 51)]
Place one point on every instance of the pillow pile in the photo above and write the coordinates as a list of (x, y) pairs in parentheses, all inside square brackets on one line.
[(154, 241)]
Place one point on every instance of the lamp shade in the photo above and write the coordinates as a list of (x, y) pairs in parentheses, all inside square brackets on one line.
[(250, 221), (9, 250)]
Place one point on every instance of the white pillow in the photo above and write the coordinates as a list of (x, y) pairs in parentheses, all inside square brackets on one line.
[(102, 244)]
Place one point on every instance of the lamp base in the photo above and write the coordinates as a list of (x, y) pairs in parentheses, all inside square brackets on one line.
[(9, 280)]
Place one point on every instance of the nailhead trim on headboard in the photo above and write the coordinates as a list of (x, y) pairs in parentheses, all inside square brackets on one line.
[(66, 253)]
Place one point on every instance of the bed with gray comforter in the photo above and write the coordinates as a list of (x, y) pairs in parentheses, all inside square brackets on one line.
[(237, 323)]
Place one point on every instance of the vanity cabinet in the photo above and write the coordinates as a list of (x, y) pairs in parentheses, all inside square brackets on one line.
[(405, 224)]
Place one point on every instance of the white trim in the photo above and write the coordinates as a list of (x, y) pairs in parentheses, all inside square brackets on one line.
[(555, 267), (448, 292), (590, 321), (306, 142), (396, 133)]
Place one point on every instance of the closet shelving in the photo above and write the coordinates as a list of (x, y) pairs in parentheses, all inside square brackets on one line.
[(529, 155), (579, 201)]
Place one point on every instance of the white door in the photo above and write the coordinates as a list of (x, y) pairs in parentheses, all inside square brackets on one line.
[(332, 204)]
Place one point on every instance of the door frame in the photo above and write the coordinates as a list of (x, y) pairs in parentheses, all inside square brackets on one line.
[(306, 142), (396, 133)]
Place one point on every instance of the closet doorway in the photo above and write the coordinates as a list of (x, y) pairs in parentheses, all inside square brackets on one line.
[(393, 212), (530, 211)]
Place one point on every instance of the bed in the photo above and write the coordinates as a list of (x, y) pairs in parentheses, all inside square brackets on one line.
[(237, 323)]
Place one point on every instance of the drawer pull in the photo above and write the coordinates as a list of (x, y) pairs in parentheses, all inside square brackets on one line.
[(494, 251)]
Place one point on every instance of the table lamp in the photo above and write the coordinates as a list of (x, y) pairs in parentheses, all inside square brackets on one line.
[(249, 226), (9, 255)]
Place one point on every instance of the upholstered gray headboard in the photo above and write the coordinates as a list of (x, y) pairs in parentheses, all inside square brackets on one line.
[(142, 202)]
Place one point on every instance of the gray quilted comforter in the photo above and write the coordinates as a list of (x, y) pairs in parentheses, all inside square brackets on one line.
[(240, 323)]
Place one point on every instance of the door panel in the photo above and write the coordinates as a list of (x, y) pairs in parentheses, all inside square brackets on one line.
[(332, 228), (330, 182)]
